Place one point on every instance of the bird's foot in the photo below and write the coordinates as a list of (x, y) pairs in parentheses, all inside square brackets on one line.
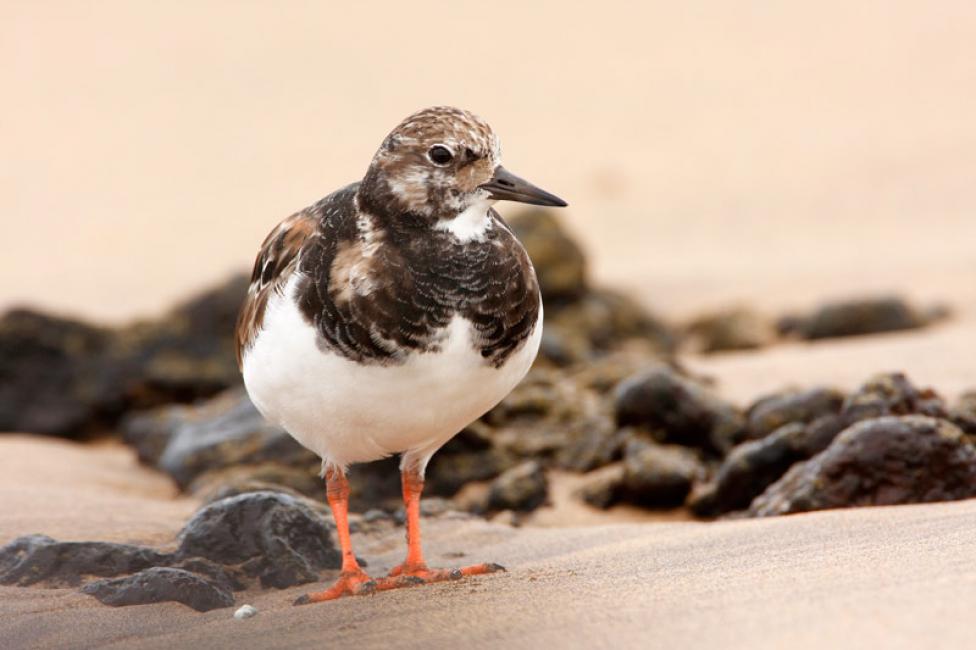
[(412, 575), (352, 583)]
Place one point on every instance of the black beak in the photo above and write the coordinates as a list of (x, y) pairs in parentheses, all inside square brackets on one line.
[(506, 186)]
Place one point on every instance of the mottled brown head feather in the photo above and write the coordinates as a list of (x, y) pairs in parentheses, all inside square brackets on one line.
[(403, 180)]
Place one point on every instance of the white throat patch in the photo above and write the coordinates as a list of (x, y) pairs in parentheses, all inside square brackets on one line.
[(470, 224)]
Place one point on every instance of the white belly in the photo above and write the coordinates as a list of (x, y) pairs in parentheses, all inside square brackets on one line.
[(348, 413)]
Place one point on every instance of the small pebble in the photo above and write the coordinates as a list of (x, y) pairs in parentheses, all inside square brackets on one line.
[(245, 611)]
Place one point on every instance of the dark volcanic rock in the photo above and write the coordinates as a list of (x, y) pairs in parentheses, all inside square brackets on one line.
[(225, 432), (855, 318), (225, 578), (559, 261), (276, 537), (597, 443), (658, 476), (468, 456), (603, 487), (160, 584), (545, 415), (37, 558), (522, 488), (754, 465), (882, 461), (600, 321), (273, 536), (805, 423), (963, 412), (602, 374), (51, 378), (581, 322), (377, 485), (188, 353), (542, 394), (280, 539), (66, 378), (702, 499), (770, 413), (892, 394), (733, 329), (679, 409), (561, 350), (149, 432)]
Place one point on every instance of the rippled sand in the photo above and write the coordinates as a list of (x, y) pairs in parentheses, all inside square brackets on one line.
[(896, 577)]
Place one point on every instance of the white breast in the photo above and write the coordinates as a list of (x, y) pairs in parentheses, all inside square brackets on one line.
[(347, 412)]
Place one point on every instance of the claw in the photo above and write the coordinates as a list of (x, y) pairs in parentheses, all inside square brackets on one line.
[(352, 584), (367, 588), (414, 575)]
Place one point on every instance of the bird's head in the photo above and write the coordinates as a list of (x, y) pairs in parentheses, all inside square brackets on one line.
[(440, 162)]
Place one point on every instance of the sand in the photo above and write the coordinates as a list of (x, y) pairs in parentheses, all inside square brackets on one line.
[(759, 154), (941, 357), (73, 491), (754, 152), (897, 577)]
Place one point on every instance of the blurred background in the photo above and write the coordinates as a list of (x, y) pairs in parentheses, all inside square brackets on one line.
[(775, 153), (772, 217), (732, 167)]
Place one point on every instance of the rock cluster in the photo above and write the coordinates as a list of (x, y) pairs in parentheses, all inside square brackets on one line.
[(603, 399), (272, 538), (880, 461), (679, 410), (63, 377), (963, 413), (222, 441), (858, 317), (811, 450), (742, 328), (582, 321), (731, 329), (523, 487), (606, 399)]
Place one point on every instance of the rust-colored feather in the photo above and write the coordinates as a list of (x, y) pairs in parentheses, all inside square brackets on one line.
[(276, 261)]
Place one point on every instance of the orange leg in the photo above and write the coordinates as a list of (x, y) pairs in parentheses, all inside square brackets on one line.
[(414, 570), (353, 581)]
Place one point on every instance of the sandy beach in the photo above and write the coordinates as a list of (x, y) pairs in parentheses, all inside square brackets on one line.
[(758, 155), (862, 578), (77, 492)]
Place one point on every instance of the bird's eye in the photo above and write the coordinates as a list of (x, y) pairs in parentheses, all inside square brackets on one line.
[(440, 155)]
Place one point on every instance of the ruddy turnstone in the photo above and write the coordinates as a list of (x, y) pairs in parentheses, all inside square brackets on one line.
[(392, 313)]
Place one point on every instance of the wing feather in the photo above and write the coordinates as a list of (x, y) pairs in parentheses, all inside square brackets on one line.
[(277, 260)]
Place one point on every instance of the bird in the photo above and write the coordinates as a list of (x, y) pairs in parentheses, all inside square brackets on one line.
[(391, 314)]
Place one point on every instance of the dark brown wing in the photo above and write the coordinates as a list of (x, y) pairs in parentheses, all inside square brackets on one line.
[(418, 280), (276, 261)]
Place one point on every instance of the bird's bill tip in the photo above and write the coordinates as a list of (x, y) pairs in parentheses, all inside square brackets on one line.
[(506, 186)]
